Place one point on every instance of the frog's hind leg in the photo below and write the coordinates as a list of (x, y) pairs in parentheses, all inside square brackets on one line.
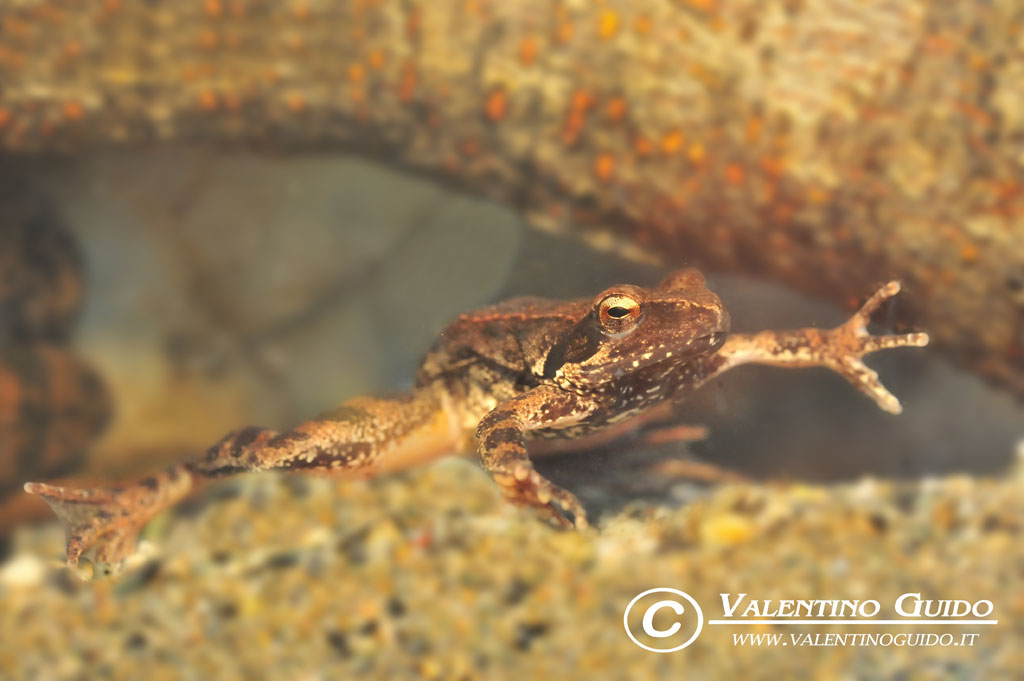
[(362, 437), (840, 349)]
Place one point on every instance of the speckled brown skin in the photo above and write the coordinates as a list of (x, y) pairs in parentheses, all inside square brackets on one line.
[(497, 378), (822, 143), (40, 270), (52, 404)]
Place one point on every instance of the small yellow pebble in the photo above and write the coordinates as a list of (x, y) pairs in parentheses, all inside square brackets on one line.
[(727, 529), (22, 571), (430, 668)]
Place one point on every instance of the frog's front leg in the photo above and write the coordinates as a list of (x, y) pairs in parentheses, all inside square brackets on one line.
[(839, 349), (501, 439)]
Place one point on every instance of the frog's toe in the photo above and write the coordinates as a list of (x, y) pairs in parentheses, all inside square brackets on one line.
[(898, 340), (567, 503), (525, 487)]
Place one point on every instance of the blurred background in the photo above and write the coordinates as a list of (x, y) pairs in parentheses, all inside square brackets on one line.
[(232, 212)]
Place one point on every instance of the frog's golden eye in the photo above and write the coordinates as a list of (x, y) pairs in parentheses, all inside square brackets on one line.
[(618, 312)]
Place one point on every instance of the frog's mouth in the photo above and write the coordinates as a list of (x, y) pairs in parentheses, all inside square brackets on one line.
[(695, 347)]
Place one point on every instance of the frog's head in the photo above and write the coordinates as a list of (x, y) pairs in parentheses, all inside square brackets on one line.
[(629, 327)]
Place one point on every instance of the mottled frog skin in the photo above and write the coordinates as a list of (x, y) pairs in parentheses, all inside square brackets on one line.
[(52, 403), (497, 380), (40, 272)]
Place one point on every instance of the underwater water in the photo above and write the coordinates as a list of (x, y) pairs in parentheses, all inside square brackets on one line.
[(245, 214)]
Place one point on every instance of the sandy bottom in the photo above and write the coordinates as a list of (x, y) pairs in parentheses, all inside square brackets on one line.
[(430, 575)]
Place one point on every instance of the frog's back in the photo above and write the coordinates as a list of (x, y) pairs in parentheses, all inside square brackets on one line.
[(513, 336)]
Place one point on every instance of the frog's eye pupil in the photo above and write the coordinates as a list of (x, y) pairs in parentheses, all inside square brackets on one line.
[(618, 313)]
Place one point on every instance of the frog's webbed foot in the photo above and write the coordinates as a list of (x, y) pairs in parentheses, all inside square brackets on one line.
[(846, 344), (92, 518), (524, 486), (105, 523)]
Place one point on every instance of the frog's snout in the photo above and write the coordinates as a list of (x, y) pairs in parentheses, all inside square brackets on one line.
[(722, 324), (708, 343)]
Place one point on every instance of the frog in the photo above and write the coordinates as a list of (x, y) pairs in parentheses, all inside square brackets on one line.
[(497, 382)]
